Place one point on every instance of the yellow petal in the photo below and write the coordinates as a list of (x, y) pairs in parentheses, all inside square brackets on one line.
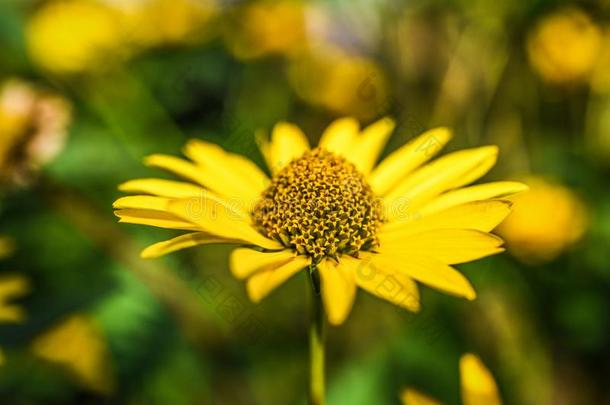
[(288, 142), (340, 135), (450, 246), (480, 215), (485, 191), (78, 345), (162, 188), (230, 166), (449, 172), (158, 219), (338, 289), (386, 283), (11, 313), (412, 397), (244, 262), (216, 217), (408, 158), (182, 242), (262, 283), (177, 166), (214, 179), (428, 271), (12, 286), (142, 202), (365, 149), (478, 385)]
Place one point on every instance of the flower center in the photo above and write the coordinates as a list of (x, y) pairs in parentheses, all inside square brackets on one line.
[(320, 206)]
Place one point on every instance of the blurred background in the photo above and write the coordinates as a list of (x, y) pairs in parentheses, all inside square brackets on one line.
[(90, 87)]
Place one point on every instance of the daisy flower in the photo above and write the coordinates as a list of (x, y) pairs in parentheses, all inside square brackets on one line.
[(477, 385), (382, 228), (331, 212)]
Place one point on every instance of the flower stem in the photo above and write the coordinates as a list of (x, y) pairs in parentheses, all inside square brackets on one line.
[(316, 342)]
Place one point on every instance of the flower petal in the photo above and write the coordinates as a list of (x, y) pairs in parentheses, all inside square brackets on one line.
[(449, 246), (158, 219), (485, 191), (244, 261), (428, 271), (216, 217), (408, 158), (339, 135), (338, 289), (478, 385), (413, 397), (180, 167), (11, 287), (218, 180), (450, 171), (181, 242), (386, 283), (142, 202), (288, 142), (162, 188), (480, 215), (262, 283), (365, 149), (230, 166)]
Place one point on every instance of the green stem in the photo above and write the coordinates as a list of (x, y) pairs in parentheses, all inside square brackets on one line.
[(316, 342)]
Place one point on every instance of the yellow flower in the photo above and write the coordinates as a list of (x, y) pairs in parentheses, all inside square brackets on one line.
[(76, 344), (266, 27), (343, 83), (11, 287), (565, 46), (159, 22), (380, 228), (478, 386), (33, 124), (73, 36), (546, 220)]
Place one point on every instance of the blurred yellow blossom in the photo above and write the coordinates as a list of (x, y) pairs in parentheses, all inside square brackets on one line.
[(11, 287), (342, 83), (545, 221), (33, 123), (76, 344), (158, 22), (477, 384), (565, 46), (413, 397), (7, 246), (266, 27), (74, 36)]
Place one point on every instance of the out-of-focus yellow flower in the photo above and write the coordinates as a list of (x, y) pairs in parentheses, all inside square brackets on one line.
[(545, 221), (342, 83), (267, 27), (564, 46), (478, 386), (33, 124), (78, 345), (7, 247), (158, 22), (600, 81), (11, 287), (74, 36)]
